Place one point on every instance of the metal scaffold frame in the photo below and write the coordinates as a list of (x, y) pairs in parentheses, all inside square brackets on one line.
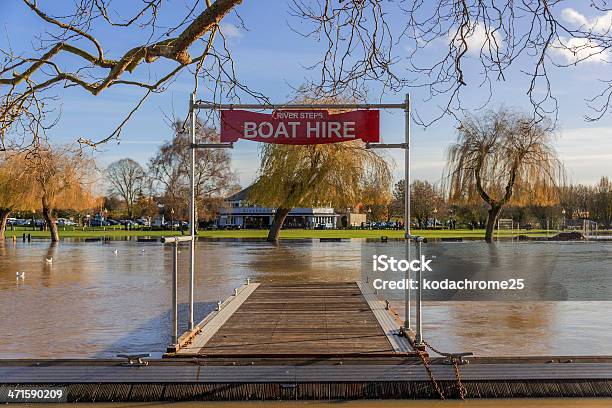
[(195, 105)]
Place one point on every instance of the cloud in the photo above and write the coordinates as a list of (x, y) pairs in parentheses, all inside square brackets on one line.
[(230, 30), (598, 24), (586, 152), (478, 37), (572, 16), (574, 50)]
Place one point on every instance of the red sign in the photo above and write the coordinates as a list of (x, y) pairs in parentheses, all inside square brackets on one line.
[(299, 127)]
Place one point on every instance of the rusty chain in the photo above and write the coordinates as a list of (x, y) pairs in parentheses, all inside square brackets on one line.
[(423, 356), (460, 387)]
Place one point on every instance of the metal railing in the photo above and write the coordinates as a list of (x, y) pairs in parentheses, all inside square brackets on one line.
[(195, 105), (175, 241)]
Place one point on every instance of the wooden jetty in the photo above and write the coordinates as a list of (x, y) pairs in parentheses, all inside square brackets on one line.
[(324, 319), (318, 341)]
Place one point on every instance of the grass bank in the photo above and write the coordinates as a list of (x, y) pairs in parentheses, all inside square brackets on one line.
[(285, 234)]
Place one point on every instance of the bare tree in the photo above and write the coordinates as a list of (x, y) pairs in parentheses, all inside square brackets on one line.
[(169, 169), (127, 180), (602, 203), (69, 53), (424, 201), (467, 42), (502, 156), (589, 201)]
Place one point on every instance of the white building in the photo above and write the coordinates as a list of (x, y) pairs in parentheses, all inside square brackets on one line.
[(238, 213)]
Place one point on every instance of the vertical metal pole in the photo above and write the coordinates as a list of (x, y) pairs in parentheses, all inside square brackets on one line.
[(407, 311), (175, 294), (419, 322), (192, 217)]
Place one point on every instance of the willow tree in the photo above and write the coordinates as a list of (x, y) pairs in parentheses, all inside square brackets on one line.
[(15, 186), (62, 179), (335, 174), (503, 157)]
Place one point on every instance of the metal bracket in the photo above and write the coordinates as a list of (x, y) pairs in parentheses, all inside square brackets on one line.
[(386, 145), (212, 145), (457, 358), (134, 360)]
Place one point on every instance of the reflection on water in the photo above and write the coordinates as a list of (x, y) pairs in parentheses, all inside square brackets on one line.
[(91, 302)]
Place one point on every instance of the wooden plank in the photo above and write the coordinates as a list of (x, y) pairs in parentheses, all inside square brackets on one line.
[(389, 323), (294, 319), (188, 373), (212, 323)]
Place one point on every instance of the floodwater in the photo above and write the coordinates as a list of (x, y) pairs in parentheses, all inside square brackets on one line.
[(91, 302)]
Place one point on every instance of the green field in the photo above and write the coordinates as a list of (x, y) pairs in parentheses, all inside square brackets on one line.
[(69, 232)]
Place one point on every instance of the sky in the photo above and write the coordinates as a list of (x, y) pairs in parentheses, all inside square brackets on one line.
[(272, 59)]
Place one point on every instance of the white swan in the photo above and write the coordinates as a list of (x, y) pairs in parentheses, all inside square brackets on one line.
[(20, 275), (49, 259), (115, 252)]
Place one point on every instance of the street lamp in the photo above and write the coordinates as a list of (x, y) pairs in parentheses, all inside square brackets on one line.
[(563, 213), (162, 207), (172, 219), (435, 211)]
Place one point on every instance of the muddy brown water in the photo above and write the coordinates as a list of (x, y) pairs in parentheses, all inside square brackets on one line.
[(91, 302)]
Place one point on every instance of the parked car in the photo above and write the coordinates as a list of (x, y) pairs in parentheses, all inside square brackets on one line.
[(112, 222), (173, 224), (63, 222), (144, 222), (130, 223), (231, 227), (11, 221), (98, 222)]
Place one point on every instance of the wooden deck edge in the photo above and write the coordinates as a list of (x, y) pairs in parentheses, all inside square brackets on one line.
[(388, 320), (325, 391), (227, 374), (207, 328)]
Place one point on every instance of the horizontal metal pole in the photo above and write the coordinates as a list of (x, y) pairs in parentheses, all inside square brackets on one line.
[(212, 145), (272, 106), (170, 240), (386, 145)]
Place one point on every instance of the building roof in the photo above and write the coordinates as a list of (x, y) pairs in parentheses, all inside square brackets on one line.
[(242, 195)]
